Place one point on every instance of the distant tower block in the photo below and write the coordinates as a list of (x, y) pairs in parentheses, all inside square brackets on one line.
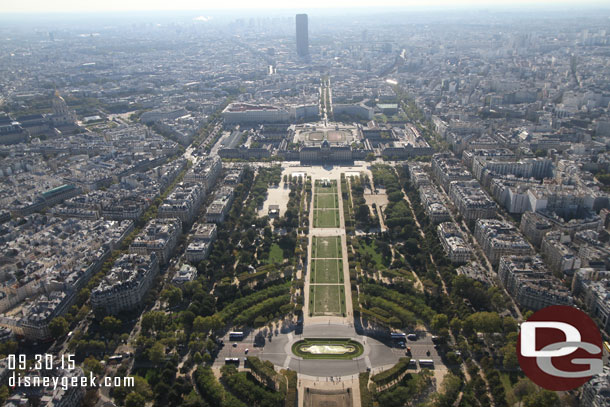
[(302, 35)]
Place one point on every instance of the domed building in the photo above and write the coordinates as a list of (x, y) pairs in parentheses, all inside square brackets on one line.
[(62, 115)]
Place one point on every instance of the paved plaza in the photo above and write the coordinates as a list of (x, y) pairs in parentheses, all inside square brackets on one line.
[(379, 354)]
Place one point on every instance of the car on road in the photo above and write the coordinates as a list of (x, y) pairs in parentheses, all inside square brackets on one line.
[(246, 351), (412, 337), (408, 351), (234, 345)]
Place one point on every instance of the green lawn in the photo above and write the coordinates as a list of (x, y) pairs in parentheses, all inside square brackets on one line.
[(326, 218), (372, 250), (327, 299), (508, 388), (322, 189), (327, 271), (326, 201), (326, 247), (276, 254)]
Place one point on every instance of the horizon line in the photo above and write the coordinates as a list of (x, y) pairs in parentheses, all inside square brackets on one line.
[(439, 5)]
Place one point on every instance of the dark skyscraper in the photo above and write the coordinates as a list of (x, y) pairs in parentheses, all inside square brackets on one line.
[(302, 35)]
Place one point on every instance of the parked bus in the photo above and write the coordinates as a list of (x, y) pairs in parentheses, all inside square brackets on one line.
[(236, 336), (398, 336), (426, 363)]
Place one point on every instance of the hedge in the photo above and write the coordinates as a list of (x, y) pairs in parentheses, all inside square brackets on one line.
[(391, 374)]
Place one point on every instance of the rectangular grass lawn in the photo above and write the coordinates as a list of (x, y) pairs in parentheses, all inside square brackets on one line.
[(327, 270), (327, 299), (276, 254), (327, 247), (326, 189), (326, 218), (326, 201)]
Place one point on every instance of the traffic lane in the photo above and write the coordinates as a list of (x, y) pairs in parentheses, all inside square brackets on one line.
[(419, 349), (238, 351), (275, 349), (381, 355)]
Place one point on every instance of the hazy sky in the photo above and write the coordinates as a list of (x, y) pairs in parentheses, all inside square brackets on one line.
[(33, 6)]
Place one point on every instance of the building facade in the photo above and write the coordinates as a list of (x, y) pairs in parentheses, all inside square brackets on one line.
[(452, 240), (531, 284), (498, 238), (471, 201), (124, 288), (160, 237), (325, 154)]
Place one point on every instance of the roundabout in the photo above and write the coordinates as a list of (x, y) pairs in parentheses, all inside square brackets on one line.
[(327, 348)]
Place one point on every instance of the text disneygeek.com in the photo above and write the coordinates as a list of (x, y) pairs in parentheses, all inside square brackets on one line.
[(47, 363)]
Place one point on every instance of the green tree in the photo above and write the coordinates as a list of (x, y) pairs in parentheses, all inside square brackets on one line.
[(83, 296), (451, 388), (58, 327), (193, 400), (540, 153), (487, 322), (142, 387), (156, 353), (439, 321), (134, 399), (111, 324), (172, 295), (260, 321), (201, 324), (91, 364), (509, 356), (456, 325), (544, 398), (154, 320), (395, 196), (82, 312), (509, 325), (4, 393)]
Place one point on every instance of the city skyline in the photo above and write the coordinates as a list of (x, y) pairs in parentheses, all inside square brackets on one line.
[(291, 208), (70, 6)]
